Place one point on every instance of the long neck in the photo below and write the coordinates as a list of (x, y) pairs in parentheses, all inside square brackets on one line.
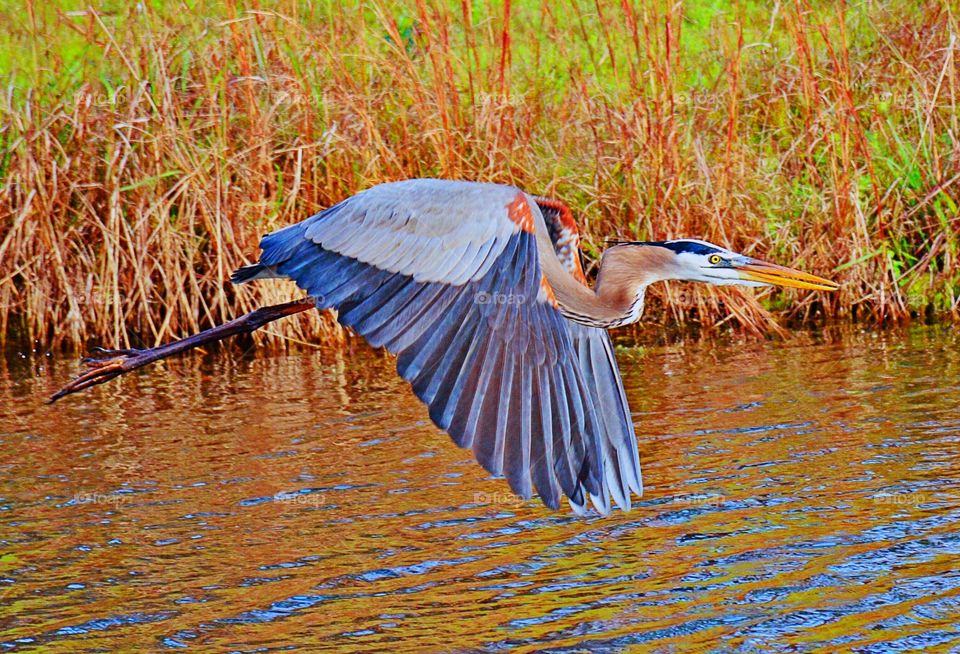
[(617, 299)]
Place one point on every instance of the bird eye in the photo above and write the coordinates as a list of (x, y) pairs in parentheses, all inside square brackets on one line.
[(715, 259)]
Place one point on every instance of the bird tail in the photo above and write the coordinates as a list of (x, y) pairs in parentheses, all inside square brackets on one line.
[(245, 274), (278, 248)]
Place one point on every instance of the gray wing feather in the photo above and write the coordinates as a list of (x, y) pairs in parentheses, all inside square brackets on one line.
[(404, 264), (428, 229), (595, 352), (599, 363)]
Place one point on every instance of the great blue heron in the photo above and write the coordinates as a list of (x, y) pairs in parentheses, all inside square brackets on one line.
[(479, 291)]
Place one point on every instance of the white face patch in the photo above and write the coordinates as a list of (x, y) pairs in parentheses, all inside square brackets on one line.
[(698, 264)]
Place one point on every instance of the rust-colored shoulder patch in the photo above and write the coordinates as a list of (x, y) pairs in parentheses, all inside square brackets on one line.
[(546, 293), (564, 215), (564, 234), (519, 212)]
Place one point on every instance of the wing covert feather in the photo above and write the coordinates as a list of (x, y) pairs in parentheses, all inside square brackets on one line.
[(429, 229)]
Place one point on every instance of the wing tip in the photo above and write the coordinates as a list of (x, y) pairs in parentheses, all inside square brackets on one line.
[(579, 509)]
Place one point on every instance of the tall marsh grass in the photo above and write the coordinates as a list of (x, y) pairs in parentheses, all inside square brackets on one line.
[(145, 147)]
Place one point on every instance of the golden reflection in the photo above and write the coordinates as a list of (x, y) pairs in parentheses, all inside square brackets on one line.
[(800, 495)]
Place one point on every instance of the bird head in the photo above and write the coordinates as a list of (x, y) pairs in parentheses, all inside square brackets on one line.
[(699, 261)]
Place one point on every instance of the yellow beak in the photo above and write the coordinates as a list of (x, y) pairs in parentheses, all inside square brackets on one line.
[(771, 273)]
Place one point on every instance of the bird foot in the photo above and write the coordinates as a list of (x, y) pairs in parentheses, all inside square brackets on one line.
[(105, 364), (102, 366)]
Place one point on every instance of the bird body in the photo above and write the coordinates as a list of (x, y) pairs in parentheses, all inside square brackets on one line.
[(479, 291)]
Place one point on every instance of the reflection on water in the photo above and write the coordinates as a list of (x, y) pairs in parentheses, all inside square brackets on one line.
[(799, 497)]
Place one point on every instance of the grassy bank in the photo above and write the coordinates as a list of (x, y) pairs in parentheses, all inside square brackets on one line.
[(145, 147)]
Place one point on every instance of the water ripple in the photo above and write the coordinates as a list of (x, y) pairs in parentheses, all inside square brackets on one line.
[(799, 498)]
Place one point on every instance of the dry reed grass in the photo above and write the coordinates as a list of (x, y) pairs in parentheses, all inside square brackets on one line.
[(145, 150)]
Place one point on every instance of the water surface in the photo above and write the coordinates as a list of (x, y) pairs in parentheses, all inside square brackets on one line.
[(799, 497)]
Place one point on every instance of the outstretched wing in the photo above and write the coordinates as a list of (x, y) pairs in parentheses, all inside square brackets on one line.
[(447, 276), (595, 354)]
